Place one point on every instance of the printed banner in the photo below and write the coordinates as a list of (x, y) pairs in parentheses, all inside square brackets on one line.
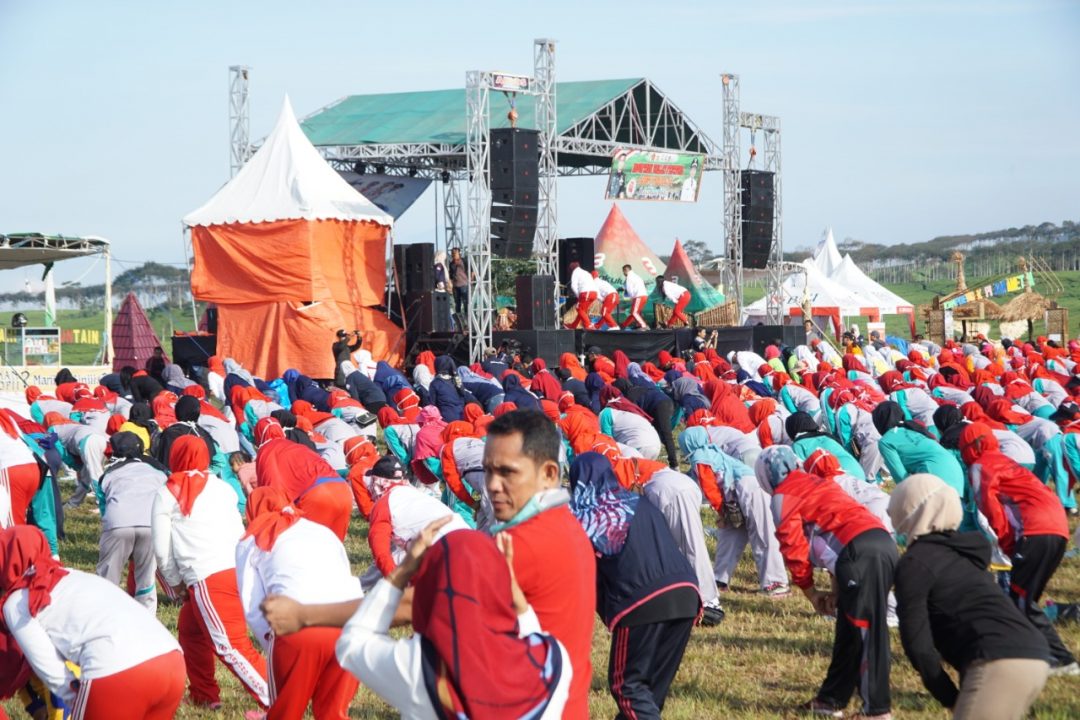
[(390, 193), (15, 378), (996, 289), (637, 175)]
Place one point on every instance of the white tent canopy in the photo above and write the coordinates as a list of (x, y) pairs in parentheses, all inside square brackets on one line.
[(827, 255), (286, 179), (875, 295), (812, 283)]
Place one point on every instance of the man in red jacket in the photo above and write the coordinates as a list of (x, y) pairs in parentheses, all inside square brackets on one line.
[(818, 524), (1030, 525)]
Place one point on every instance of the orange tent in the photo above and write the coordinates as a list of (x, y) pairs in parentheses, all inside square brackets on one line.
[(291, 253)]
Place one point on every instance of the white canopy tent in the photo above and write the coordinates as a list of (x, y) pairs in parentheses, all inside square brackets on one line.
[(875, 296), (827, 299), (827, 255)]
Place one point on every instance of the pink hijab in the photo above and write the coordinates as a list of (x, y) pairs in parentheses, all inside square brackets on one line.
[(429, 440)]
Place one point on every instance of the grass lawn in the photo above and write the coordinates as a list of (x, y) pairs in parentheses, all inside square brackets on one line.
[(767, 656)]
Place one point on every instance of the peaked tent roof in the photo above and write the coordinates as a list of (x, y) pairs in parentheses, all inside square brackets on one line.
[(133, 336), (822, 292), (617, 244), (702, 295), (874, 295), (827, 255), (438, 116), (286, 179)]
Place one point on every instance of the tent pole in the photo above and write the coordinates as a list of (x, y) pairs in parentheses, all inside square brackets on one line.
[(108, 306), (186, 232)]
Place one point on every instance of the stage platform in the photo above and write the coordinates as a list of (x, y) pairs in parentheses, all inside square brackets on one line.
[(639, 345)]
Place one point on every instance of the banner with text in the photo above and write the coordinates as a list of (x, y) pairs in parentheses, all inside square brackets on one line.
[(637, 175)]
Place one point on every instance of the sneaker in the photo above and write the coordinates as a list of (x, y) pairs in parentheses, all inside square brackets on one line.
[(1071, 669), (712, 615), (820, 708), (776, 590), (722, 586)]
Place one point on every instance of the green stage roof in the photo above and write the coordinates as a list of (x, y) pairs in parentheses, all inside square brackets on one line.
[(438, 116)]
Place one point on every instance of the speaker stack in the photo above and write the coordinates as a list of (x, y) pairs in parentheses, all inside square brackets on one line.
[(758, 203), (426, 310), (579, 250), (515, 183), (535, 302)]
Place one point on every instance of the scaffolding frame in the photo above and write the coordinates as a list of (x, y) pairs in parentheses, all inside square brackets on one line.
[(239, 117), (774, 267)]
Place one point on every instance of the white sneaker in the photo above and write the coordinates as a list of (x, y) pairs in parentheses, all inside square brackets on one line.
[(1071, 669)]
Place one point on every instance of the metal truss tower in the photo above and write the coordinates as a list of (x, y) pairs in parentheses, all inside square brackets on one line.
[(774, 271), (733, 245), (452, 212), (478, 156), (239, 118), (547, 261)]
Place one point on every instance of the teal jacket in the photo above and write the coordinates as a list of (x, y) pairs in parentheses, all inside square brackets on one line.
[(906, 452), (805, 446)]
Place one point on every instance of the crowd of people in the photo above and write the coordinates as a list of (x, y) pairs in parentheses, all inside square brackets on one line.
[(506, 504)]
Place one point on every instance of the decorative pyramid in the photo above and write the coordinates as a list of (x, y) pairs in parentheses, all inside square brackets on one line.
[(617, 244), (133, 337), (703, 295)]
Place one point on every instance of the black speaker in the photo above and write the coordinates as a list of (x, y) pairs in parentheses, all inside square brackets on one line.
[(511, 249), (519, 232), (420, 267), (579, 250), (211, 319), (428, 312), (757, 187), (515, 196), (515, 159), (401, 267), (757, 244), (757, 213), (535, 302)]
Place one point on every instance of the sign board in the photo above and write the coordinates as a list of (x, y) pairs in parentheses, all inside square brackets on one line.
[(510, 83), (32, 346), (638, 175), (390, 193), (15, 378)]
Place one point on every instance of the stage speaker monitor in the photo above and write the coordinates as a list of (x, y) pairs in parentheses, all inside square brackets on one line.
[(428, 312), (535, 302), (512, 249), (420, 267), (579, 250), (757, 244), (515, 159)]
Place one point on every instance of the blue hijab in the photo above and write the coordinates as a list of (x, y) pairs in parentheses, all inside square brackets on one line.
[(390, 380), (594, 383), (698, 449), (602, 506), (518, 395), (638, 377)]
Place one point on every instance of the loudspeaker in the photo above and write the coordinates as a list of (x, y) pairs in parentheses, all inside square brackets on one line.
[(400, 267), (211, 319), (579, 250), (515, 158), (428, 312), (511, 249), (535, 302), (757, 213), (757, 187), (420, 267), (513, 214), (515, 196), (757, 244)]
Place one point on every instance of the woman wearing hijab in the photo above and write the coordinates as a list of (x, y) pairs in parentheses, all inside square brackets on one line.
[(488, 391), (907, 448), (477, 651), (743, 514), (195, 528), (870, 496), (130, 666), (818, 524), (915, 402), (128, 488), (594, 383), (81, 449), (424, 460), (951, 609), (686, 392), (462, 461), (283, 553), (627, 423), (1030, 525), (806, 437), (646, 589), (847, 414), (515, 393), (186, 423)]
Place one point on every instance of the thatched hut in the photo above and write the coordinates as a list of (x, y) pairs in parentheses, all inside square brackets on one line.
[(1028, 306), (978, 310)]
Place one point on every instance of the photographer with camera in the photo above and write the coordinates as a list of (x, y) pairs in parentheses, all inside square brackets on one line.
[(343, 353)]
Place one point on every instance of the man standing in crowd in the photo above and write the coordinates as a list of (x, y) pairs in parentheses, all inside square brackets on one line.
[(635, 290), (459, 280), (343, 351)]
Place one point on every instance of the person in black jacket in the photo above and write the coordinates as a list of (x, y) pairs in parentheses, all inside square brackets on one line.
[(660, 408), (187, 423), (646, 590), (951, 609)]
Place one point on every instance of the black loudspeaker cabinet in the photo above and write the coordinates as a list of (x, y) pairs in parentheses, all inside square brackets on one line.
[(757, 244), (401, 267), (757, 213), (515, 159), (757, 187), (514, 214), (579, 250), (211, 319), (191, 350), (428, 312), (516, 196), (535, 302), (420, 267), (511, 249)]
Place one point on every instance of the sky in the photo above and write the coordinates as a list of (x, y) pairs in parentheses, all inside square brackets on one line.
[(901, 120)]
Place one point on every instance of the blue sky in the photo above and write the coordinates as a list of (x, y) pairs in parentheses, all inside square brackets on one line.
[(901, 121)]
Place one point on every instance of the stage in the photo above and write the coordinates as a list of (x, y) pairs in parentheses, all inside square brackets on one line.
[(639, 345)]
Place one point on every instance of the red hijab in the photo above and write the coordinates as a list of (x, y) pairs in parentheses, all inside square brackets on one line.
[(612, 397), (290, 467), (164, 407), (26, 563), (189, 460), (269, 514), (475, 414), (975, 440), (546, 385), (570, 363), (975, 413), (463, 609), (823, 464), (1003, 411), (267, 429), (388, 416), (503, 408), (622, 363)]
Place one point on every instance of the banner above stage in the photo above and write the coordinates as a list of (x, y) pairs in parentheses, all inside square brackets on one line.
[(390, 193), (639, 175)]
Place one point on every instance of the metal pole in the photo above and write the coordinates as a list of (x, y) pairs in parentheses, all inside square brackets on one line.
[(239, 117), (108, 307), (477, 146), (732, 187)]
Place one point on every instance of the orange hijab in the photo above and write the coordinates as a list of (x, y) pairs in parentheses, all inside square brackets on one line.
[(269, 514)]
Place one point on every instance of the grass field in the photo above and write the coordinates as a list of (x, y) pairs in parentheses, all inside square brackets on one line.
[(767, 656)]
